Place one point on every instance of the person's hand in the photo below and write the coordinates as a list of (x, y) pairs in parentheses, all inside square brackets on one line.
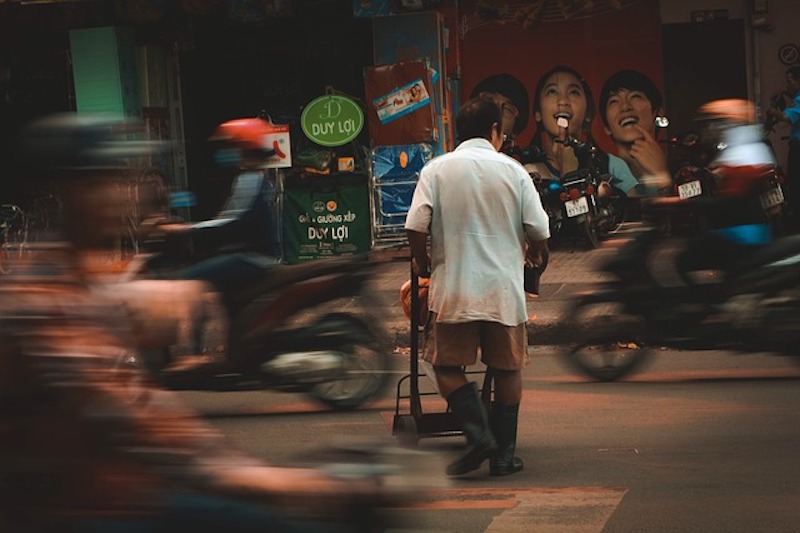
[(421, 270), (604, 189), (647, 152), (175, 228), (537, 254)]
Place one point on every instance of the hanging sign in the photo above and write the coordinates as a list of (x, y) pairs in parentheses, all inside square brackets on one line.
[(332, 120)]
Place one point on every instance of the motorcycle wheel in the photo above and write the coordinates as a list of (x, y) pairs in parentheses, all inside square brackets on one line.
[(614, 209), (588, 227), (556, 219), (611, 343), (366, 366), (608, 357)]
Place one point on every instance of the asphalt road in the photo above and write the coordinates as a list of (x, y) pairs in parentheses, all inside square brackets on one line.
[(698, 441)]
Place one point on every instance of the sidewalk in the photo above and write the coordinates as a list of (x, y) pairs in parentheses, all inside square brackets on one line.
[(570, 272)]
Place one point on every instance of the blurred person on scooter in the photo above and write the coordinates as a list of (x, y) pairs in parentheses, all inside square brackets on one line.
[(791, 114), (241, 241), (631, 108), (88, 444), (240, 244), (480, 208), (735, 219)]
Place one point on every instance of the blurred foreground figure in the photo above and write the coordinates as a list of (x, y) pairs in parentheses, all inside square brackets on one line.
[(86, 444), (735, 218)]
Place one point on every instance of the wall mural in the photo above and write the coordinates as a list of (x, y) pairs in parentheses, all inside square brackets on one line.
[(500, 46)]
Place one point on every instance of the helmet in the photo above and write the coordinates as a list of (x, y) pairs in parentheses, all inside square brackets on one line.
[(246, 133), (733, 110), (82, 142), (236, 137), (715, 118)]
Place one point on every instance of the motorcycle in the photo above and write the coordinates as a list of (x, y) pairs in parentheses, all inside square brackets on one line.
[(754, 309), (300, 328), (602, 215), (573, 201)]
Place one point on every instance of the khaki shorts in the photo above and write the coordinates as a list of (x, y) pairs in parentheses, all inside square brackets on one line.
[(501, 347)]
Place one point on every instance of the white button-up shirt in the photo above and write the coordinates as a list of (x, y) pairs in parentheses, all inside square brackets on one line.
[(474, 202)]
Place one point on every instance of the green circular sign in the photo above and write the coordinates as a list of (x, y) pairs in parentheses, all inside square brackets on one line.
[(332, 120)]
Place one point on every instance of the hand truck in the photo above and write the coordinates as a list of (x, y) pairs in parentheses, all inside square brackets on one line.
[(409, 427)]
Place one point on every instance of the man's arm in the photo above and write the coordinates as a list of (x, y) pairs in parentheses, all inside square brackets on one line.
[(418, 242)]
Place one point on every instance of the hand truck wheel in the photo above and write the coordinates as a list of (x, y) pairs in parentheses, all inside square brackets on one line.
[(405, 430)]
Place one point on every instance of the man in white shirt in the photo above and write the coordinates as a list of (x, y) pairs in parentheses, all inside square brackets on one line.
[(482, 213)]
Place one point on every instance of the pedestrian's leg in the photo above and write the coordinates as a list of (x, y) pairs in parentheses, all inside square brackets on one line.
[(503, 421), (466, 405)]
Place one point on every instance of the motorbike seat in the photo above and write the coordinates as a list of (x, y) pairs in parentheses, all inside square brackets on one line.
[(287, 274)]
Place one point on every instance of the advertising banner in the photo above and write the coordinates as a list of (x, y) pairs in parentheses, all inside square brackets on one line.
[(325, 217)]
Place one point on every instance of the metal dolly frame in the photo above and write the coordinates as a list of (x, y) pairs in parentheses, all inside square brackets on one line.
[(409, 427)]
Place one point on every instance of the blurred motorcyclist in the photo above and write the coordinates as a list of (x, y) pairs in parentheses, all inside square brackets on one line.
[(241, 242), (736, 221), (87, 445)]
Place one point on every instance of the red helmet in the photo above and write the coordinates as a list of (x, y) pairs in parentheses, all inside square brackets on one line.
[(246, 133)]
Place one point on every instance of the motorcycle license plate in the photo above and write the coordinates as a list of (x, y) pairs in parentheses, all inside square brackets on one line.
[(690, 189), (577, 207), (772, 197)]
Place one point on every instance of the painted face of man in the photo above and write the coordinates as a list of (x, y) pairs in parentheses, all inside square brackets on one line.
[(625, 110), (562, 97)]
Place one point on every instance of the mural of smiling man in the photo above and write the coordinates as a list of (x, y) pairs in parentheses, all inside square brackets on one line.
[(631, 107)]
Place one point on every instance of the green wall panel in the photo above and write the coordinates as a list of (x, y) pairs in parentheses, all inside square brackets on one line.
[(104, 71)]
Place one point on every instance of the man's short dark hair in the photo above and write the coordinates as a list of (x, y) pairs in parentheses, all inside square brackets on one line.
[(631, 80), (794, 71), (476, 117)]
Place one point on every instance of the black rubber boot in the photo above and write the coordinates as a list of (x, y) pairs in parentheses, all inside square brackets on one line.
[(470, 411), (504, 427)]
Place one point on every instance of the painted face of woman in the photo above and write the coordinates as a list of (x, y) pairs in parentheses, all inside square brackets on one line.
[(562, 98)]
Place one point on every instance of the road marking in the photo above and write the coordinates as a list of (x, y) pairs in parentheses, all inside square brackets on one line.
[(539, 510)]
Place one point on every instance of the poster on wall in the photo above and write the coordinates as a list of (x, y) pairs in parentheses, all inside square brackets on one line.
[(400, 108), (279, 144), (402, 101)]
